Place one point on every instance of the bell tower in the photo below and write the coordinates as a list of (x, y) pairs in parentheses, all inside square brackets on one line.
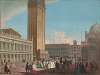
[(36, 26)]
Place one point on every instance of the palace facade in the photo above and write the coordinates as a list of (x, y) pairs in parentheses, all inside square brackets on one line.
[(13, 48)]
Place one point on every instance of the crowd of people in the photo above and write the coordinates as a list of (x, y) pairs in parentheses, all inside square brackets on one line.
[(61, 65)]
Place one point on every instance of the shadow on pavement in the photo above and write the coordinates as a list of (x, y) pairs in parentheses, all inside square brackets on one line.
[(56, 74)]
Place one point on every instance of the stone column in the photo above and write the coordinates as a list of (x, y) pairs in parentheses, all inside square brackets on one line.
[(10, 57), (14, 57), (1, 57), (25, 57), (6, 47), (6, 57), (2, 46), (31, 57), (20, 57)]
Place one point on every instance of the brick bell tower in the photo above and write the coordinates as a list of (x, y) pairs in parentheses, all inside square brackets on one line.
[(36, 26)]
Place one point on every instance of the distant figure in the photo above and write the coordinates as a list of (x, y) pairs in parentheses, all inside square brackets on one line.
[(7, 68), (57, 66), (51, 66), (30, 67), (27, 67)]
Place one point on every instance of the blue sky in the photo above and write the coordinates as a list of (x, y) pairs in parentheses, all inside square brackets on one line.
[(69, 16)]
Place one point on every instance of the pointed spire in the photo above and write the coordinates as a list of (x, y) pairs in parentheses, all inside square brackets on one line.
[(96, 23), (0, 22)]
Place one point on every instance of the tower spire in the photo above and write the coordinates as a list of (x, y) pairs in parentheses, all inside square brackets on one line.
[(96, 22)]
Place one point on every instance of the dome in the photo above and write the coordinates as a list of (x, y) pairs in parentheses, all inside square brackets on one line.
[(95, 28)]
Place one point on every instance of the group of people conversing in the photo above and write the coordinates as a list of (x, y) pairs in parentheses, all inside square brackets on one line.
[(61, 66)]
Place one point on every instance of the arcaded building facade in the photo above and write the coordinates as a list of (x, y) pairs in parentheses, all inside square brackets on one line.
[(13, 48), (58, 50)]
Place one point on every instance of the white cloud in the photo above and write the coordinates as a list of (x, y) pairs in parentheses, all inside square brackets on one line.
[(51, 1), (10, 8)]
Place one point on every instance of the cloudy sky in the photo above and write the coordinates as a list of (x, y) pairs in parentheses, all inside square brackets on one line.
[(72, 17), (10, 8)]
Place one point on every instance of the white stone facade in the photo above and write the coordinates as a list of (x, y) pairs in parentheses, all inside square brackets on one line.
[(93, 39), (13, 48), (75, 53)]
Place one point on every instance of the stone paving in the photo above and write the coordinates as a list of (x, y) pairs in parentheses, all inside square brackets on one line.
[(58, 74), (20, 70), (17, 70), (46, 74)]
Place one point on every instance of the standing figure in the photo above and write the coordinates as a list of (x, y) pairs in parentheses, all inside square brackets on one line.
[(6, 68), (27, 67), (30, 67)]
